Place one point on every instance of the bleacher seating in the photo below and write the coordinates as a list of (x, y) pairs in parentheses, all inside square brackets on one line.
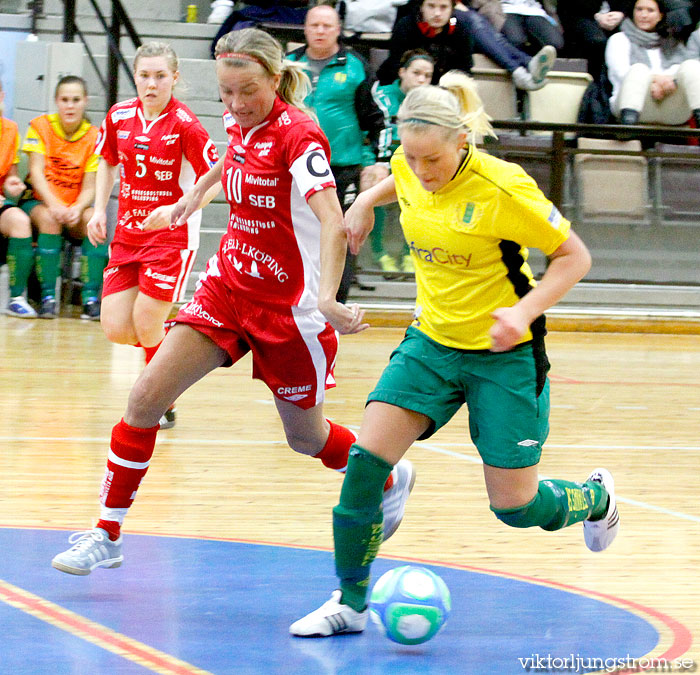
[(676, 195), (559, 101), (611, 187)]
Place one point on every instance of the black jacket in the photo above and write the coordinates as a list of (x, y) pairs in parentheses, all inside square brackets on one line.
[(451, 48), (571, 10)]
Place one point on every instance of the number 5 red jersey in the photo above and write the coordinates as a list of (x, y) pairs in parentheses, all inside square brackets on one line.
[(159, 160)]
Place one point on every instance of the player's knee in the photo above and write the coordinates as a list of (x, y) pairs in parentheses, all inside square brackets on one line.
[(520, 516), (148, 333), (19, 225), (117, 331), (146, 402)]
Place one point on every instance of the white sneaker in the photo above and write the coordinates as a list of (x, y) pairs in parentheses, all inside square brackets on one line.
[(394, 502), (542, 62), (330, 618), (91, 549), (220, 10), (522, 79), (599, 534), (18, 306)]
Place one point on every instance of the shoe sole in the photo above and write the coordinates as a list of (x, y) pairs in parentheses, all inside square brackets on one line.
[(544, 65), (411, 483), (346, 631), (80, 572), (20, 316)]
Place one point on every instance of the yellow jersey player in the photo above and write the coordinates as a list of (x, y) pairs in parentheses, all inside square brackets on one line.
[(477, 338)]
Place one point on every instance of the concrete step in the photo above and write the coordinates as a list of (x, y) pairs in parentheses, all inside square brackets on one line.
[(189, 40), (11, 7), (137, 10), (197, 81)]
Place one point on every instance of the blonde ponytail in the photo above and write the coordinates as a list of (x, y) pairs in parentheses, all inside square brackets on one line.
[(454, 104), (295, 86)]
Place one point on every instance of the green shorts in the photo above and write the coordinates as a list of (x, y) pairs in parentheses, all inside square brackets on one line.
[(507, 394), (28, 204)]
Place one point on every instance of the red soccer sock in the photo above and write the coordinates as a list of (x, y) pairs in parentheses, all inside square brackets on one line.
[(335, 452), (151, 351), (112, 527), (129, 456)]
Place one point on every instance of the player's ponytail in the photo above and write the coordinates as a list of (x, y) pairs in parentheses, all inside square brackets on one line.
[(454, 104), (295, 86)]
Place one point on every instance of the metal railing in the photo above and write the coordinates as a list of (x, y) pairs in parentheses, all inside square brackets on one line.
[(564, 138), (112, 27)]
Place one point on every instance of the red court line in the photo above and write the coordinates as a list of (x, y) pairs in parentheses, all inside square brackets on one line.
[(101, 636)]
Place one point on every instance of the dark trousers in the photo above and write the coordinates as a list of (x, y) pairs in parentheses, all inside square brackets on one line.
[(491, 43), (586, 39), (347, 181), (531, 33)]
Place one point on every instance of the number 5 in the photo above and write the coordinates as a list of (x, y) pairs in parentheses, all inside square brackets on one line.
[(141, 167)]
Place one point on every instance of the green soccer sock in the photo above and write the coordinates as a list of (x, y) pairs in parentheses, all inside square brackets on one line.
[(20, 259), (357, 523), (48, 262), (558, 504), (376, 236), (93, 263)]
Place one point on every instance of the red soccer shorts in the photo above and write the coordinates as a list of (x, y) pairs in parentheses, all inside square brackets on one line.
[(159, 272), (293, 353)]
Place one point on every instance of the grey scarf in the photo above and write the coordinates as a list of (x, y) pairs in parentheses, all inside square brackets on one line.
[(640, 41)]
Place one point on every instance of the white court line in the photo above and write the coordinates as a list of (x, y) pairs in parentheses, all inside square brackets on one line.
[(633, 502), (440, 449), (631, 407), (107, 439)]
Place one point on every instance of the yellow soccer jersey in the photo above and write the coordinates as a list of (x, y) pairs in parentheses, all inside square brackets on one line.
[(469, 244)]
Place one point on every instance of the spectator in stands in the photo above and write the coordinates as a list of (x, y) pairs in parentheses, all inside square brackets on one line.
[(253, 13), (654, 77), (62, 166), (220, 11), (450, 33), (14, 223), (681, 18), (434, 28), (416, 69), (529, 27), (587, 26), (341, 97)]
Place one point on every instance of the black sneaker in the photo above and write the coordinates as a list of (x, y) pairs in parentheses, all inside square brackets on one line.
[(168, 419), (91, 310), (48, 308)]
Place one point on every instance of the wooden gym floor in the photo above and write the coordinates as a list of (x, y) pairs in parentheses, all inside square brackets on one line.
[(223, 475)]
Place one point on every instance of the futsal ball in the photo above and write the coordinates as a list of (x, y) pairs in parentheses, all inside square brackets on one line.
[(410, 604)]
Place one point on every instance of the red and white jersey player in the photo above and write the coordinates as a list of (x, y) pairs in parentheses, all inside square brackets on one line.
[(160, 160), (271, 250)]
